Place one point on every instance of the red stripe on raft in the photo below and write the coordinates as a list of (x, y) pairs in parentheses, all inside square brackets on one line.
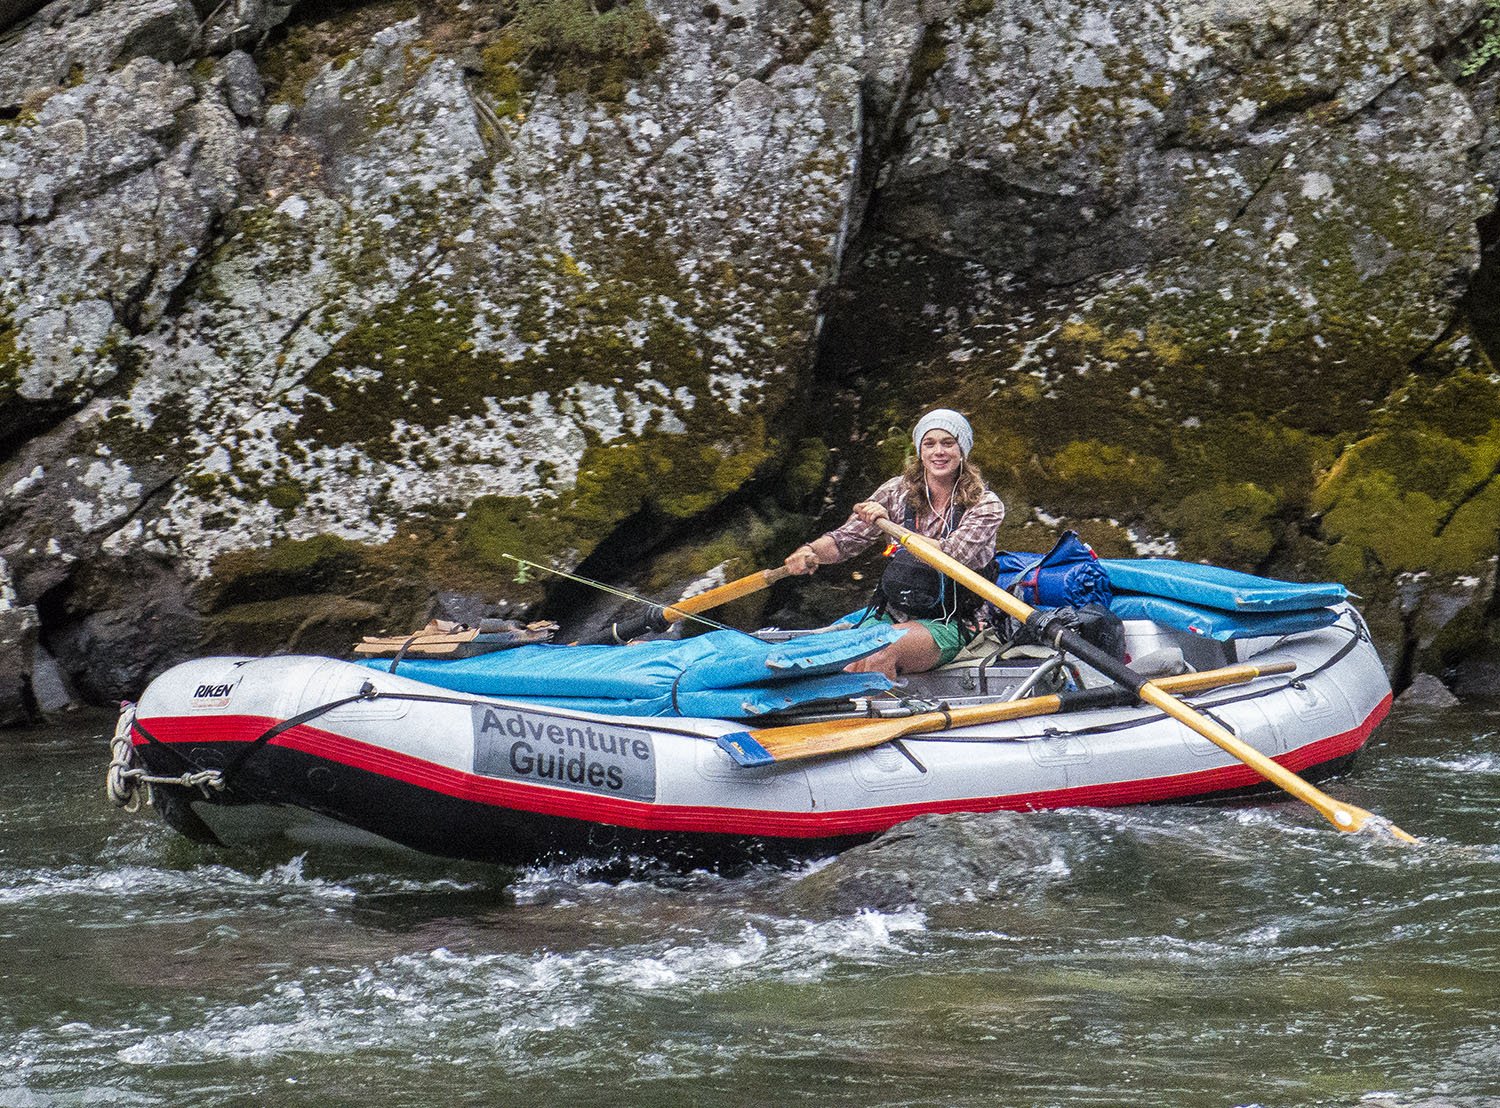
[(647, 816)]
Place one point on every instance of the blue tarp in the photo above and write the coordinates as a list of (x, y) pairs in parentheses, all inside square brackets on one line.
[(1216, 624), (1212, 587), (1070, 574), (1219, 603), (745, 700), (723, 673)]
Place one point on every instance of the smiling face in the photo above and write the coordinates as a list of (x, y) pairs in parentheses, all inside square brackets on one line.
[(941, 456)]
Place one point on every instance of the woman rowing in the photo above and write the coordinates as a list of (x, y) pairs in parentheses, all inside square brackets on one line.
[(940, 495)]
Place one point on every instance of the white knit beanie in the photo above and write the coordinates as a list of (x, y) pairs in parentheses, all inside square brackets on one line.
[(944, 419)]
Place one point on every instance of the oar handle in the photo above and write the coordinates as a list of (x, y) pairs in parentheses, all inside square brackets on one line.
[(1346, 817)]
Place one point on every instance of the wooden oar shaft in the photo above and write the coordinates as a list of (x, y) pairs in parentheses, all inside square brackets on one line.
[(1346, 817), (971, 714), (733, 590), (661, 619), (811, 740)]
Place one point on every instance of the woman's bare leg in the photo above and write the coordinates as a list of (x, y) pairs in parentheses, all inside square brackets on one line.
[(913, 652)]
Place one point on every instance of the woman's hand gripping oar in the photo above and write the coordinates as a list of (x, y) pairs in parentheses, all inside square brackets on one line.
[(659, 619), (839, 736), (1346, 817)]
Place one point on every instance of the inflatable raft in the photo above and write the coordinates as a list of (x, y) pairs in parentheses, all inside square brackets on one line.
[(515, 758)]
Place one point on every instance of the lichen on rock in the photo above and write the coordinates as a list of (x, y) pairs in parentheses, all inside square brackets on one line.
[(108, 195), (596, 312), (1182, 257), (347, 308)]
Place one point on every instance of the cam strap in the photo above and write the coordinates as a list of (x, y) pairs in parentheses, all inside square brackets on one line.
[(367, 691)]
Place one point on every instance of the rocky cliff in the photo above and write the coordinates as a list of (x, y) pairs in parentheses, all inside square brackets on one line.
[(310, 314)]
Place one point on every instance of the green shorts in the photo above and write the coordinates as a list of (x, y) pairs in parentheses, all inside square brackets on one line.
[(950, 635)]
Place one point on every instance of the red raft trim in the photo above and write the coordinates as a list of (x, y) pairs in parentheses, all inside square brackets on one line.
[(649, 816)]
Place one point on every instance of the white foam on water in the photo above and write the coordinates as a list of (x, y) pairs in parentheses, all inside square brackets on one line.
[(680, 965), (224, 1037), (1256, 947), (433, 1005), (569, 882), (786, 949), (444, 1003), (153, 882), (807, 869), (1469, 763), (15, 1095), (88, 881)]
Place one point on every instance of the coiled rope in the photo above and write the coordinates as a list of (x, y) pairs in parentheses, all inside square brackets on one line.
[(123, 779)]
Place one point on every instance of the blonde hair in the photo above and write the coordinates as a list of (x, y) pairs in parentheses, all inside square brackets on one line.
[(967, 492)]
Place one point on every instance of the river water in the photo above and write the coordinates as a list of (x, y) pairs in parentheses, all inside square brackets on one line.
[(1213, 955)]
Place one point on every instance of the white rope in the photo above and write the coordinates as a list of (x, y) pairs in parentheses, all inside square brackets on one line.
[(123, 779), (118, 785)]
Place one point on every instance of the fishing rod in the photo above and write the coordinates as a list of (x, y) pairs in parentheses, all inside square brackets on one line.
[(655, 620)]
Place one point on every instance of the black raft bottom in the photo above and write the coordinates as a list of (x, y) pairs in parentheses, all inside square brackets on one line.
[(445, 826), (435, 823)]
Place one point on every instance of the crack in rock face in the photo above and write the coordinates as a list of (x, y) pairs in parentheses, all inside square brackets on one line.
[(364, 303)]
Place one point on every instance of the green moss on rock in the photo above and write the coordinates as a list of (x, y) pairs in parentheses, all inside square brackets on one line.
[(390, 585), (502, 79), (13, 360), (411, 361), (1466, 634), (1230, 524), (678, 477), (1410, 499), (587, 47), (286, 494), (668, 478), (1091, 477), (316, 624), (496, 526), (805, 474), (317, 37), (1282, 460), (290, 567), (1462, 404)]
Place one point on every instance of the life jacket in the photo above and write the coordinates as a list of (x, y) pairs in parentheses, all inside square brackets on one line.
[(913, 587)]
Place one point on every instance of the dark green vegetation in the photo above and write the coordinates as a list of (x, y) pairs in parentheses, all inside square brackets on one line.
[(1486, 46), (593, 45)]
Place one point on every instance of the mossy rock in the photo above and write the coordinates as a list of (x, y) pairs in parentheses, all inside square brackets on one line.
[(325, 564), (316, 623), (804, 475), (659, 482), (1091, 477), (1467, 634), (12, 358), (1422, 492), (1230, 524)]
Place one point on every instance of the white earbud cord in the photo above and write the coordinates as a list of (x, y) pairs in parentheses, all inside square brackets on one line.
[(947, 529)]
